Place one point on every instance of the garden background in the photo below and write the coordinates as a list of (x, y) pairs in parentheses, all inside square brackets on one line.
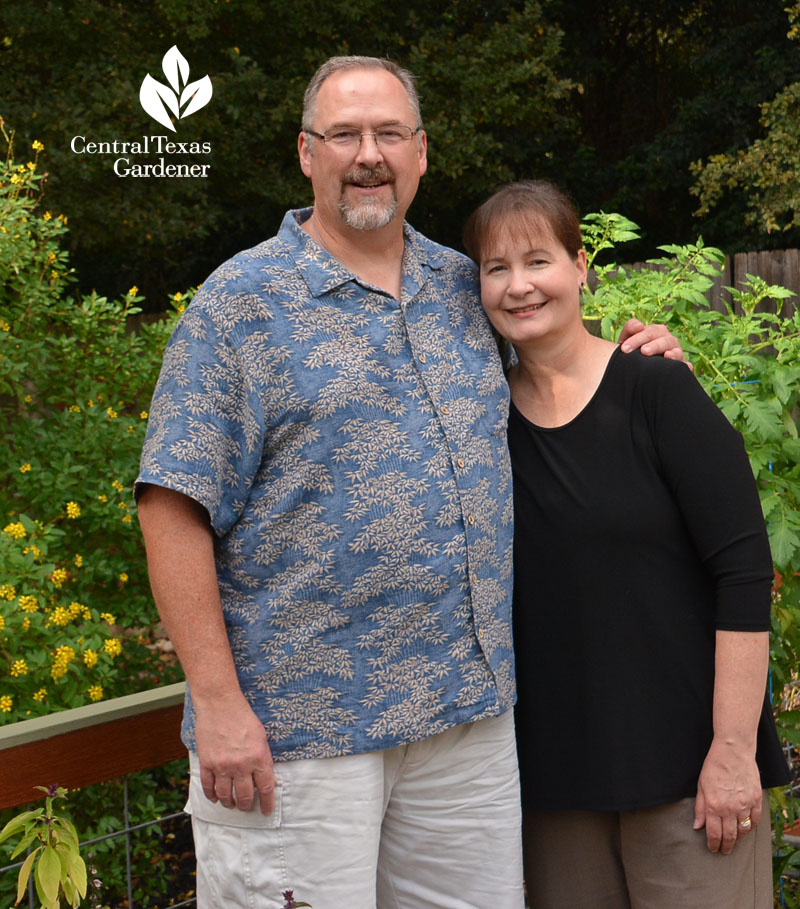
[(684, 117)]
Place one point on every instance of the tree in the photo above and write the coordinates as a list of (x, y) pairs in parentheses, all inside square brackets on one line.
[(487, 75), (664, 85), (766, 170)]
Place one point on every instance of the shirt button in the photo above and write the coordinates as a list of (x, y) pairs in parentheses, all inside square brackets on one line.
[(460, 462), (470, 519), (445, 409), (423, 358)]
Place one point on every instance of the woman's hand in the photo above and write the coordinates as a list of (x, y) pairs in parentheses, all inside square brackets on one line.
[(728, 794)]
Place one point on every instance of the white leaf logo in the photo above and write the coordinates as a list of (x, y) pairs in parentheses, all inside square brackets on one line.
[(159, 100)]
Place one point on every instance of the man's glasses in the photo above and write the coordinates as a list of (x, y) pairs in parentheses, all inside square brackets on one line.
[(351, 138)]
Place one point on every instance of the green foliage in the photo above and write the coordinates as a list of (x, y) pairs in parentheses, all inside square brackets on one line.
[(748, 360), (75, 607), (58, 870), (488, 76), (98, 811), (766, 170)]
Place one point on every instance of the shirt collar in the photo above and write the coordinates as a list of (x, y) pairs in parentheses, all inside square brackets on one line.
[(324, 273)]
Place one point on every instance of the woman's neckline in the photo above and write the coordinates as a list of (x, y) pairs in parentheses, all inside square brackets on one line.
[(583, 409)]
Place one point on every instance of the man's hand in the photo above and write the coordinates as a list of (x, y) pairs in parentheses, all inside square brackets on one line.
[(652, 340), (235, 760), (728, 794)]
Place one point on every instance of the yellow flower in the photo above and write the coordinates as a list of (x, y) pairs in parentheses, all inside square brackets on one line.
[(143, 415), (103, 497), (127, 519), (112, 414), (4, 326), (78, 561), (2, 623), (90, 658), (25, 468), (133, 291), (16, 530), (123, 505), (90, 403), (31, 166), (107, 617), (73, 510), (59, 576), (62, 657), (40, 695), (123, 577), (112, 646), (96, 692), (7, 591), (18, 668), (73, 408), (26, 623), (118, 486), (60, 616), (28, 603), (6, 703), (37, 145), (28, 399), (47, 216), (76, 609), (34, 549)]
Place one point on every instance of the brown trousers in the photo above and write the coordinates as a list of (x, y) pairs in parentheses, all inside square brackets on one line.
[(645, 859)]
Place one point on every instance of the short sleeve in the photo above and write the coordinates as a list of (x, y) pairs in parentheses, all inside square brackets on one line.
[(205, 434), (705, 464)]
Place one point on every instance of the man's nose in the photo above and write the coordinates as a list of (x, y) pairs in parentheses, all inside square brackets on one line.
[(369, 152)]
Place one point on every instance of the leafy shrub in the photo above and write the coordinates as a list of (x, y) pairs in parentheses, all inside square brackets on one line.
[(76, 615), (748, 360)]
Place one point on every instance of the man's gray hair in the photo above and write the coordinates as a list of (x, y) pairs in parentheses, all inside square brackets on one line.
[(335, 64)]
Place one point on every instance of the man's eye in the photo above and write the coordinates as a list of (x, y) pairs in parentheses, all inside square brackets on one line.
[(341, 135), (390, 135)]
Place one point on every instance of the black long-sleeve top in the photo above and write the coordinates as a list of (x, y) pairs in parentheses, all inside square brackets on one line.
[(638, 534)]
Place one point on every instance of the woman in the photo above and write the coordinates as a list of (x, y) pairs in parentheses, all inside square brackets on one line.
[(642, 598)]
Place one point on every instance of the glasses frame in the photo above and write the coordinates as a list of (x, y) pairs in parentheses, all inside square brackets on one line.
[(414, 131)]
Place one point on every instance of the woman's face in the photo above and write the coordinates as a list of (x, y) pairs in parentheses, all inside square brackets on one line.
[(530, 287)]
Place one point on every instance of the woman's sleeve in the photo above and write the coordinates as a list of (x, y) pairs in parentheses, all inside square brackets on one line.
[(705, 464)]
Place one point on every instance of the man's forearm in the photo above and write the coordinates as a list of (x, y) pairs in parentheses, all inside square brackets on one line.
[(180, 559)]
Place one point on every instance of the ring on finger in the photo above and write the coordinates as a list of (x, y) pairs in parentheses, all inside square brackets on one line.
[(745, 823)]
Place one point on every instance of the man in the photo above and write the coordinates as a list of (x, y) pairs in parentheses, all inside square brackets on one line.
[(325, 501)]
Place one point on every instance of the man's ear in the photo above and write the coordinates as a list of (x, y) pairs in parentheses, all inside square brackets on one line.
[(423, 152), (304, 151)]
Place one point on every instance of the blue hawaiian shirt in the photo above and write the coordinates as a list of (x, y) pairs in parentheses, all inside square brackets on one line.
[(350, 450)]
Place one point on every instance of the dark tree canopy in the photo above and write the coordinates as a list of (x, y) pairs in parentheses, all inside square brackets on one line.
[(615, 106)]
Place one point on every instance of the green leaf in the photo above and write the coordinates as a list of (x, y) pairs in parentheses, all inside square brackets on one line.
[(762, 418), (48, 873), (76, 868), (783, 541), (30, 835), (24, 874), (18, 822)]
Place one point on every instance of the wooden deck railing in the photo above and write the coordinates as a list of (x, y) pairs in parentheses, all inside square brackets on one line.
[(75, 748)]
